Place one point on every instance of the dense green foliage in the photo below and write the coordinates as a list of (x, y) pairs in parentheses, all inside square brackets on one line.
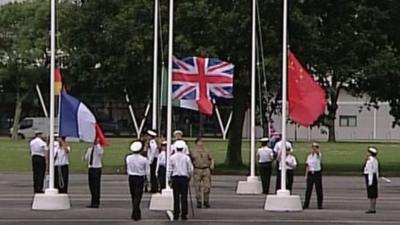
[(107, 46)]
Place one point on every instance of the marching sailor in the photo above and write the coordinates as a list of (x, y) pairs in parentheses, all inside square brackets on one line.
[(93, 156), (137, 168), (265, 157), (39, 153), (313, 176), (180, 171), (178, 137), (161, 165), (371, 173)]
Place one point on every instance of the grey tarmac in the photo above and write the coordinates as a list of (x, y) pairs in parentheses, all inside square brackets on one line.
[(344, 203)]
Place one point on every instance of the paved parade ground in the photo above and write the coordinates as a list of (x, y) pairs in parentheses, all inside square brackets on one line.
[(345, 203)]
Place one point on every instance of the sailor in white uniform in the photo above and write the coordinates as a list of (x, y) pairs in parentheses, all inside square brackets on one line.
[(291, 164), (178, 137), (371, 173), (61, 164), (137, 168), (314, 176), (39, 153), (152, 155), (265, 157), (278, 154), (94, 157), (161, 165), (180, 171)]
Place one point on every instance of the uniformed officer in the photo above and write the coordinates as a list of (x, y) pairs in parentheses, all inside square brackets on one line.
[(371, 173), (203, 164), (161, 165), (137, 168), (39, 153), (178, 137), (314, 176), (277, 154), (94, 156), (265, 157), (291, 164), (152, 155), (181, 170), (61, 162)]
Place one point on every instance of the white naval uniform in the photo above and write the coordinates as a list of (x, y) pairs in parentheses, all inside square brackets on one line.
[(137, 165), (181, 165), (61, 169), (161, 160), (185, 149), (94, 154), (39, 150), (278, 149), (291, 163), (265, 154), (94, 157), (38, 147)]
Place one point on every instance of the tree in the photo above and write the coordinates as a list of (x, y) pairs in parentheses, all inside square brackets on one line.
[(337, 40), (24, 38)]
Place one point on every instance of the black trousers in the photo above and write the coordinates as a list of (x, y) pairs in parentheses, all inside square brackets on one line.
[(153, 177), (94, 185), (289, 180), (161, 176), (61, 175), (136, 189), (180, 185), (372, 191), (265, 170), (314, 178), (39, 171)]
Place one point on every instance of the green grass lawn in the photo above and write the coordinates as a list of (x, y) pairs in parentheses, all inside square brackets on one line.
[(338, 158)]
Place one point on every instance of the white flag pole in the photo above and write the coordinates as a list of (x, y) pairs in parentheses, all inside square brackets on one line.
[(253, 91), (169, 102), (283, 201), (155, 65), (284, 97), (39, 92), (164, 201), (51, 199)]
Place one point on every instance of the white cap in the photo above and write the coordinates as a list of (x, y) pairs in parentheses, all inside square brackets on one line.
[(264, 139), (38, 132), (178, 132), (180, 144), (136, 146), (151, 133), (315, 144), (372, 150), (164, 143)]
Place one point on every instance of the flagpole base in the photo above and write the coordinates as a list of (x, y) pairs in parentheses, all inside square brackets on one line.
[(251, 186), (163, 201), (51, 200), (283, 202)]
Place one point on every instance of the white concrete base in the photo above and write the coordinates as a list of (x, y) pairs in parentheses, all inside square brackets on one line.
[(163, 201), (51, 200), (283, 202), (251, 186)]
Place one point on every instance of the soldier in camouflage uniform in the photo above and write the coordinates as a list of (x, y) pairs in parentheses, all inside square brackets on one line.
[(203, 164)]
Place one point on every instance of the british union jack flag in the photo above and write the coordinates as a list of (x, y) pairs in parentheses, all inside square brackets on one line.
[(202, 79)]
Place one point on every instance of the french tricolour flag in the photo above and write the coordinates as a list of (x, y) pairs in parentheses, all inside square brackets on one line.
[(76, 120)]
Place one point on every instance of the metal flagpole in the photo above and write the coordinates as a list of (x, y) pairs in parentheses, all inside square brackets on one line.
[(169, 102), (39, 92), (253, 91), (155, 65), (284, 97), (52, 99)]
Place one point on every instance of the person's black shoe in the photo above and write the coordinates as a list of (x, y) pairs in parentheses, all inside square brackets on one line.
[(199, 205), (92, 206), (176, 217), (305, 207), (207, 205), (370, 212), (320, 207), (184, 217)]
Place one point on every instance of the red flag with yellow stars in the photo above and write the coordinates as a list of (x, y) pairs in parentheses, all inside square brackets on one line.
[(306, 98), (57, 82)]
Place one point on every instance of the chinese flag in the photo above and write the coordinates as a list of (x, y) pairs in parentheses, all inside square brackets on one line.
[(306, 98), (57, 82)]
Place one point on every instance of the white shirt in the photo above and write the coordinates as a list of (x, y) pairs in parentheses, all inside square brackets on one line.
[(291, 163), (371, 167), (161, 160), (137, 165), (278, 149), (181, 165), (185, 149), (61, 155), (97, 153), (265, 154), (152, 150), (38, 147), (313, 162)]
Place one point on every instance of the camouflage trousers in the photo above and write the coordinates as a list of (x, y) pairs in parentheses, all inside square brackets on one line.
[(202, 183)]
